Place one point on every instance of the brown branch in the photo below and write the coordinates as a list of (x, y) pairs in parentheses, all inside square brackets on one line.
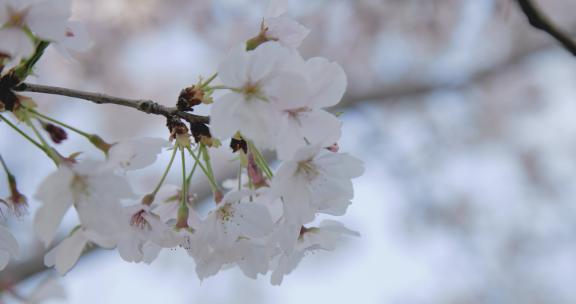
[(146, 106), (539, 21)]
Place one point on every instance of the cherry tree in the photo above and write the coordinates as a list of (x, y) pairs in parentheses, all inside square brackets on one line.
[(264, 96)]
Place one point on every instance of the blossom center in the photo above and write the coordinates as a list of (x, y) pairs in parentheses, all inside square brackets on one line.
[(308, 169), (139, 221), (226, 213), (16, 18), (252, 90), (79, 185)]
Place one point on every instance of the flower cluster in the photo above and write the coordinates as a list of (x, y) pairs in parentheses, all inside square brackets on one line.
[(25, 22), (269, 98)]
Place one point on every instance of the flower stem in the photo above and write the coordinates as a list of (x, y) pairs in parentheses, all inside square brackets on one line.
[(184, 184), (211, 180), (13, 126), (189, 178), (165, 174), (9, 174), (49, 150), (209, 80), (69, 127)]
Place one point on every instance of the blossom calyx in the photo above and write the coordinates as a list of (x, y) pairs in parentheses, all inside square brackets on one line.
[(178, 132), (191, 97)]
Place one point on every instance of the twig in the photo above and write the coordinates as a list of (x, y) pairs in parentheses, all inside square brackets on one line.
[(539, 21), (146, 106)]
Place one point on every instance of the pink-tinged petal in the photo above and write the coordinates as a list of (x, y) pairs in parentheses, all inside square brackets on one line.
[(328, 82)]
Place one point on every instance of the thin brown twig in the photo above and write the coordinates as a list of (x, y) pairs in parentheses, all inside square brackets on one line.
[(541, 22), (146, 106)]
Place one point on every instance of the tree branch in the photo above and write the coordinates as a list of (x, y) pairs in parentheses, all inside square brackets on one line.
[(539, 21), (146, 106)]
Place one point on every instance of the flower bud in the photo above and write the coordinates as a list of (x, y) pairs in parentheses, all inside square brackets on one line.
[(334, 148), (191, 97), (57, 134), (256, 177)]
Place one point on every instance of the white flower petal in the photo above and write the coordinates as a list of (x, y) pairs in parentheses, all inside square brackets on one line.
[(65, 255), (287, 31), (276, 8), (328, 82), (136, 154)]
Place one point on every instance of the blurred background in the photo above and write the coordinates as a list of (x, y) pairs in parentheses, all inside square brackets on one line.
[(464, 115)]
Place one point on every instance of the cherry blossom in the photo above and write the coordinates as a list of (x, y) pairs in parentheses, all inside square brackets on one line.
[(143, 234), (236, 217), (47, 20), (91, 187), (258, 79), (316, 180), (303, 121), (324, 237), (277, 27), (270, 97)]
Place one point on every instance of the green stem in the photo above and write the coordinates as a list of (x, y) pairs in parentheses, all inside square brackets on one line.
[(240, 178), (47, 146), (221, 87), (13, 126), (9, 174), (213, 184), (73, 129), (260, 160), (207, 160), (25, 68), (189, 178), (184, 184), (209, 80), (165, 174)]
